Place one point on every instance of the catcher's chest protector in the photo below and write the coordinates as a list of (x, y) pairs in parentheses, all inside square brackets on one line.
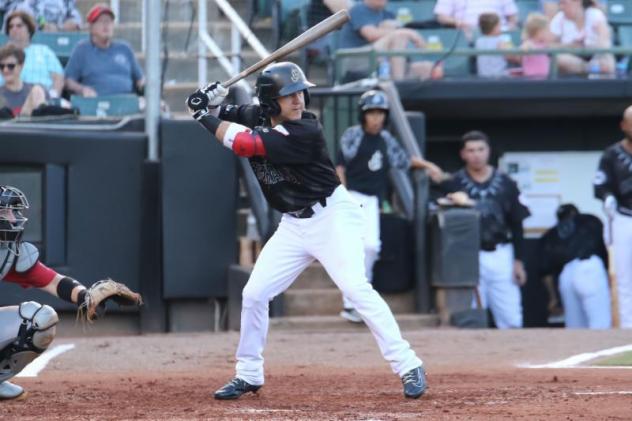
[(25, 332), (24, 258), (7, 258)]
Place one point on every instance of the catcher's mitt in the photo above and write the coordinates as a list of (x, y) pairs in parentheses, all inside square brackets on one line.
[(101, 292)]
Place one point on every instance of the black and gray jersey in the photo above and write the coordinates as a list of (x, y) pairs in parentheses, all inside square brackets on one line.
[(614, 177), (499, 204), (579, 237), (296, 171), (367, 159)]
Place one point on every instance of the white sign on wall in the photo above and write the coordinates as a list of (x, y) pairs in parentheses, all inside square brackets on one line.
[(549, 179)]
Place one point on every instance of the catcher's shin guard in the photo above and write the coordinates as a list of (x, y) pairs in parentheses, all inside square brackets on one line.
[(25, 332)]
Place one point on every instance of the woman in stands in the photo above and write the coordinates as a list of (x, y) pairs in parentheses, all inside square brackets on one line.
[(20, 97), (41, 65), (582, 24)]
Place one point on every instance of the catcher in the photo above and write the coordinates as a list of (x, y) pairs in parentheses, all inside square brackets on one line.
[(28, 329)]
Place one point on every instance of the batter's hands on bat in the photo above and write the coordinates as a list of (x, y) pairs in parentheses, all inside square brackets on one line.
[(206, 98), (520, 275)]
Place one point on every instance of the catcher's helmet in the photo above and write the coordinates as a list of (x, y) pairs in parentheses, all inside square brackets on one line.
[(12, 203), (277, 80), (372, 100)]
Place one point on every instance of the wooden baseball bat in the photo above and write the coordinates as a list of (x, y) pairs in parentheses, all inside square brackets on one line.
[(612, 279), (333, 22)]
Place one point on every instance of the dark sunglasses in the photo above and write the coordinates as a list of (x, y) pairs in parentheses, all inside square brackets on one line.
[(9, 66)]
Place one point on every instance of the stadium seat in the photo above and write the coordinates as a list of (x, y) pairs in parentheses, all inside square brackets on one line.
[(525, 7), (62, 43), (420, 10), (452, 65), (625, 35), (619, 12), (108, 105)]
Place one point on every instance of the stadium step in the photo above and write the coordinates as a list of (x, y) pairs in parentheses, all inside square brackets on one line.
[(175, 35), (337, 323), (328, 301)]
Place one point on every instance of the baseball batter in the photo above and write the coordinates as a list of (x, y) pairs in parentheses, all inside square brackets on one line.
[(496, 197), (28, 329), (287, 152), (613, 185), (367, 152), (574, 251)]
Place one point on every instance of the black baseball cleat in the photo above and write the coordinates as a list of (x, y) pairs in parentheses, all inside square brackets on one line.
[(414, 383), (235, 388)]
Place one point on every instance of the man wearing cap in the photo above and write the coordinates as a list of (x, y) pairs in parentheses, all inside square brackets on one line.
[(100, 65)]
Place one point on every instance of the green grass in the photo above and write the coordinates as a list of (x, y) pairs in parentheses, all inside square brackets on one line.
[(624, 359)]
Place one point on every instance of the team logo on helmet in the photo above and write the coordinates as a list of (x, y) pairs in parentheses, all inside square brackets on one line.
[(295, 76)]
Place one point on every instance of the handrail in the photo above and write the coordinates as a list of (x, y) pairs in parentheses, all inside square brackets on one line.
[(42, 123), (238, 27)]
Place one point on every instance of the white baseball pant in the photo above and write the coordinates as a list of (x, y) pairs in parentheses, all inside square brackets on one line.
[(585, 294), (622, 244), (497, 288), (371, 236), (332, 236)]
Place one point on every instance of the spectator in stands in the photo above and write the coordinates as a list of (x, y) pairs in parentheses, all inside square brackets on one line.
[(492, 39), (464, 14), (371, 24), (56, 15), (9, 6), (318, 10), (575, 251), (582, 24), (536, 35), (100, 65), (41, 65), (22, 98)]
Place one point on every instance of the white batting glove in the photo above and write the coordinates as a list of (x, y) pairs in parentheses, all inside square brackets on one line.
[(610, 206), (216, 94)]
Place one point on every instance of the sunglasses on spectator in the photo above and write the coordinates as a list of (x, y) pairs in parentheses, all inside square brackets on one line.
[(9, 66)]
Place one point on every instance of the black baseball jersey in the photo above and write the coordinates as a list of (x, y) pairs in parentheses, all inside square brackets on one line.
[(498, 201), (296, 171), (614, 177), (367, 159), (579, 237)]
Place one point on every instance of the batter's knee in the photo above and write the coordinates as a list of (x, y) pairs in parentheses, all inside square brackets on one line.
[(252, 296), (359, 292)]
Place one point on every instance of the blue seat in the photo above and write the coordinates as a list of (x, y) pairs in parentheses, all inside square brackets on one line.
[(452, 65), (525, 7), (625, 35), (107, 105), (619, 12), (420, 10), (62, 43), (3, 39)]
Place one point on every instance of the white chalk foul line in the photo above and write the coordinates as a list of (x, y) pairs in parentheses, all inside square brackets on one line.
[(619, 392), (575, 360), (38, 364)]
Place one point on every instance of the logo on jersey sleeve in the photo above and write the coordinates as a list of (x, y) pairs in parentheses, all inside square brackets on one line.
[(600, 178), (376, 161)]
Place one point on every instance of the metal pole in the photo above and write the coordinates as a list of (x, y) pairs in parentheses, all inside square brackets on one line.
[(152, 87), (115, 6), (235, 44), (143, 34), (201, 46)]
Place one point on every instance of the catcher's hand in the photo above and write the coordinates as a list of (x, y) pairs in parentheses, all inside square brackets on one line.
[(103, 291)]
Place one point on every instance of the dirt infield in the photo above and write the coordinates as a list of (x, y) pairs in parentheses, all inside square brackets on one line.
[(325, 376)]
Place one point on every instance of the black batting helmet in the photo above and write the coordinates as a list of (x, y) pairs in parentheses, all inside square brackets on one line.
[(277, 80), (372, 100), (12, 203)]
